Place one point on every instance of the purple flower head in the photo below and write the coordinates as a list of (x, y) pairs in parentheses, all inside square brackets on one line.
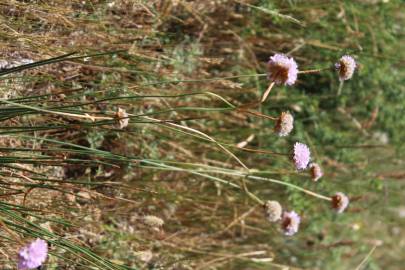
[(340, 202), (282, 69), (32, 255), (346, 67), (301, 156), (290, 223)]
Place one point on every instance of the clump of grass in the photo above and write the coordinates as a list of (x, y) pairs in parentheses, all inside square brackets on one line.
[(159, 115)]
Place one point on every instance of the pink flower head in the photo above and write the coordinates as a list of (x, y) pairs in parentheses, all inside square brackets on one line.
[(282, 69), (301, 156), (346, 67), (290, 223), (32, 255)]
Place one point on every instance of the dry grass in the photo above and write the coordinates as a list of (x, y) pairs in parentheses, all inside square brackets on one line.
[(176, 68)]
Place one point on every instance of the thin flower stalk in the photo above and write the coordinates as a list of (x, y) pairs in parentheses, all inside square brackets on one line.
[(267, 92), (204, 135), (311, 193), (240, 174)]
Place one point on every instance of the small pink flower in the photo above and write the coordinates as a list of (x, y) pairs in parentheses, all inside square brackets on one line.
[(346, 67), (282, 69), (340, 202), (301, 156), (32, 255), (290, 223)]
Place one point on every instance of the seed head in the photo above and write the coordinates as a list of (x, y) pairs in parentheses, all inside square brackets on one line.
[(290, 223), (153, 221), (33, 255), (282, 69), (301, 156), (346, 67), (144, 256), (340, 202), (273, 210), (316, 171), (284, 125), (122, 118)]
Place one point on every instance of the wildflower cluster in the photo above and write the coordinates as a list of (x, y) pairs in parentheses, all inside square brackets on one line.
[(283, 70)]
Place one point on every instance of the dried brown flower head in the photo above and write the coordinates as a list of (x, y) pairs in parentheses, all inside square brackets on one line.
[(316, 171), (340, 202), (122, 118), (153, 221), (273, 210), (284, 125)]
